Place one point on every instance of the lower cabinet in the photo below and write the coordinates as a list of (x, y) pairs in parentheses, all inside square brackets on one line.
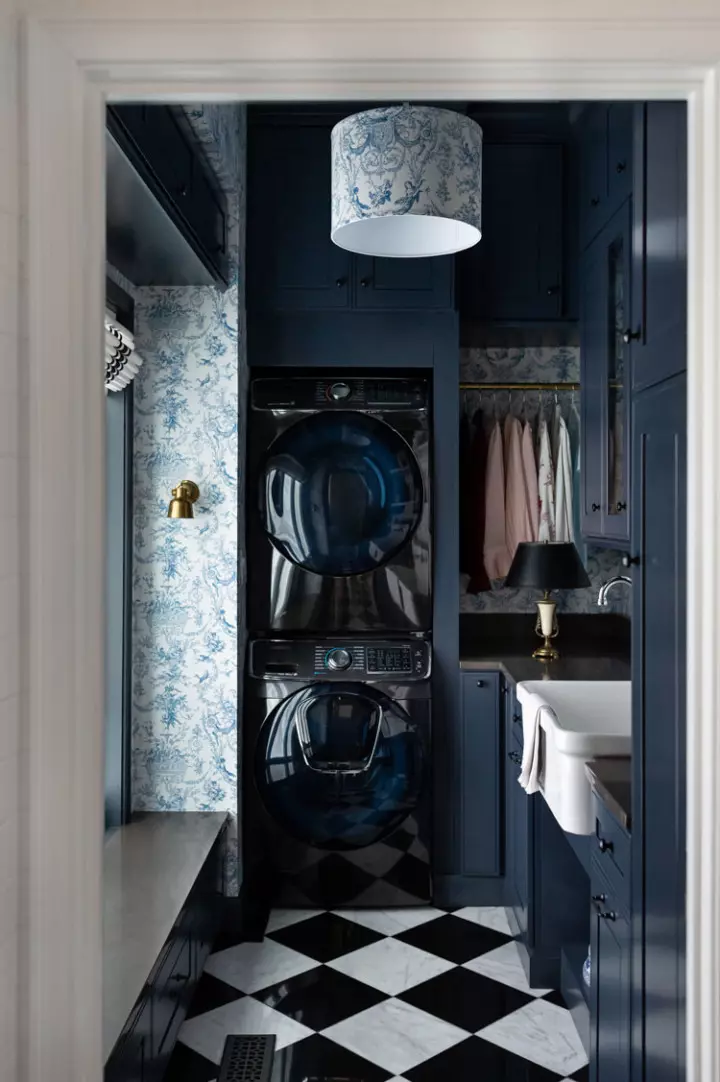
[(519, 808), (610, 1004), (480, 780)]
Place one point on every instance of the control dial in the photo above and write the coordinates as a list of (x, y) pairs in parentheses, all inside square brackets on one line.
[(340, 391), (338, 659)]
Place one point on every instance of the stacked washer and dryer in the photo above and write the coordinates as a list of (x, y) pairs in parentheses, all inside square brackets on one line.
[(336, 761)]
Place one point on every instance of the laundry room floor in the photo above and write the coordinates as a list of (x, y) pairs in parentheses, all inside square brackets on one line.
[(373, 995)]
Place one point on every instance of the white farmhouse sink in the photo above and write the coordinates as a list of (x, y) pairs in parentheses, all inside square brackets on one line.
[(586, 719)]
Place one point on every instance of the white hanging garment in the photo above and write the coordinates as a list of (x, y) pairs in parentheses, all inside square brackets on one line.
[(546, 485), (564, 527)]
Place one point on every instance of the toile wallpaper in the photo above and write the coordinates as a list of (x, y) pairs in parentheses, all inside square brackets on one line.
[(187, 575), (535, 365)]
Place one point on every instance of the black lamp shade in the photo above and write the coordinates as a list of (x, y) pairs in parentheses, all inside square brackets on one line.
[(547, 565)]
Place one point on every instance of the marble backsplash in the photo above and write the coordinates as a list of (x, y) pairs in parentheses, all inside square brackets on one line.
[(541, 364)]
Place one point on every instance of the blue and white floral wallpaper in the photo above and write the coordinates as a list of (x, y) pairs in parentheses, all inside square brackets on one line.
[(557, 364), (188, 575)]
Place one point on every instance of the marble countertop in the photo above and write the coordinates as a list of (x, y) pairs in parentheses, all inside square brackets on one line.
[(149, 869), (611, 778)]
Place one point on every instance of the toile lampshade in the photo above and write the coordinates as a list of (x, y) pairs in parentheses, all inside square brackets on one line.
[(406, 182)]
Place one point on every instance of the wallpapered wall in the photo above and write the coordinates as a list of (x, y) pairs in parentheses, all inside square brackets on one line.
[(535, 365), (186, 631)]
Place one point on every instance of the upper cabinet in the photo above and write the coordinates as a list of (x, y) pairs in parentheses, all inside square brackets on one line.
[(516, 273), (659, 257), (606, 164), (293, 264), (166, 214)]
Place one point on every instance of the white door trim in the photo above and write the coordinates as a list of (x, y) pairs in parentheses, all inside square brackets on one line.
[(71, 65)]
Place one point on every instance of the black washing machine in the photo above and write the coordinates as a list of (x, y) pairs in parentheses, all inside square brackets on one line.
[(339, 505), (336, 772)]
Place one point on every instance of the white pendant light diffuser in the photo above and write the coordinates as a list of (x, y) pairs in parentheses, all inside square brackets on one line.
[(406, 182)]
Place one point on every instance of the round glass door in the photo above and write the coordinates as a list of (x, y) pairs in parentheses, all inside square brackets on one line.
[(339, 765), (340, 493)]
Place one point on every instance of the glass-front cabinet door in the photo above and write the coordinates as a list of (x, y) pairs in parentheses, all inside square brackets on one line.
[(605, 356)]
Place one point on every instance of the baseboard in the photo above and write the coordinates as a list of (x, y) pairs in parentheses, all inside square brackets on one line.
[(454, 891)]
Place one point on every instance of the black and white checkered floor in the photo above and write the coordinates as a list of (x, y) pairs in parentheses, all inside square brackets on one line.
[(374, 995)]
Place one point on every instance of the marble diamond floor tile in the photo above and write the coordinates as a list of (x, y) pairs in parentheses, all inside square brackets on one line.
[(542, 1033)]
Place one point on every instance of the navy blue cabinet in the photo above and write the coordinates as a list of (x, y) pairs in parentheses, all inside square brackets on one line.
[(611, 990), (516, 273), (518, 822), (293, 263), (604, 306), (480, 775), (658, 323), (659, 730), (606, 164)]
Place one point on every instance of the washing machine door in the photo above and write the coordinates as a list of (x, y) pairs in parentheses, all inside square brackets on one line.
[(339, 765), (341, 493)]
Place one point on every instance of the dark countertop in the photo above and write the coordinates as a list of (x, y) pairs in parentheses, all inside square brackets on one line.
[(611, 779), (591, 647)]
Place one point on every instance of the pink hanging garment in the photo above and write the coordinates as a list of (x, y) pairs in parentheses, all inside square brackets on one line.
[(497, 560), (530, 476), (517, 513)]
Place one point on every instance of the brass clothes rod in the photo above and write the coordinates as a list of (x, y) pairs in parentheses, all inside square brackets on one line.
[(519, 386)]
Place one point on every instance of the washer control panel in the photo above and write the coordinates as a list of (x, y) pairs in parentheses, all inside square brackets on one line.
[(341, 659), (341, 392)]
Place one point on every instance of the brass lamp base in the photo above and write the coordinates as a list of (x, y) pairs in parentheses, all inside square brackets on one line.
[(546, 626)]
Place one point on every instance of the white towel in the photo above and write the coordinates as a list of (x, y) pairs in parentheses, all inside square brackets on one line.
[(532, 712), (564, 528)]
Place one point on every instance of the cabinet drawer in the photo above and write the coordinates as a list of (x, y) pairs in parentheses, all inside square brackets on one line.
[(172, 987), (611, 854)]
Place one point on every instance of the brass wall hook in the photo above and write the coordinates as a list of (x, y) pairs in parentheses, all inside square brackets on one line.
[(184, 496)]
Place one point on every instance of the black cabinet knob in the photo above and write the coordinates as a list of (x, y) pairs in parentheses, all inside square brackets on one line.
[(608, 914), (515, 757), (631, 336), (595, 201), (552, 290), (340, 282), (594, 506), (604, 845), (630, 561), (620, 506), (598, 897), (481, 683), (517, 718), (364, 283), (621, 167), (183, 189)]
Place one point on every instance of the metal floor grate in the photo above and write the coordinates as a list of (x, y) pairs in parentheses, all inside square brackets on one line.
[(247, 1059)]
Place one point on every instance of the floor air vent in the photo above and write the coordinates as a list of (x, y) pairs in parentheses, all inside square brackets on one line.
[(247, 1059)]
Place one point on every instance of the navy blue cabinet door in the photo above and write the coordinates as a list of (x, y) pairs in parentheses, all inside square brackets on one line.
[(606, 164), (480, 774), (658, 324), (515, 272), (605, 360), (611, 953), (517, 819), (293, 264), (658, 681), (403, 283)]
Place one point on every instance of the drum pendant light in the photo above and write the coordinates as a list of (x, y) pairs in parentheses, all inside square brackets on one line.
[(406, 181)]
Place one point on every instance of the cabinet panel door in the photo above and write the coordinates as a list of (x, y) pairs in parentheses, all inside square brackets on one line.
[(620, 155), (514, 274), (659, 726), (611, 988), (403, 283), (293, 263), (605, 400), (480, 774), (660, 243), (593, 171)]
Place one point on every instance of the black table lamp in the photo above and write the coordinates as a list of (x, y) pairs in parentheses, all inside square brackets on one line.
[(547, 565)]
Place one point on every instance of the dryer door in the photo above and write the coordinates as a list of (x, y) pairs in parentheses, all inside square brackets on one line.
[(339, 765), (340, 493)]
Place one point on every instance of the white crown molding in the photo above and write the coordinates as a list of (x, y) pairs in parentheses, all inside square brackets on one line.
[(70, 65)]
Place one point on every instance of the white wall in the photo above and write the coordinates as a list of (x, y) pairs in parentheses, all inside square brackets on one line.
[(9, 549)]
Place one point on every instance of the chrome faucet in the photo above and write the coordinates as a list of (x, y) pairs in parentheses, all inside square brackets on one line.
[(607, 587)]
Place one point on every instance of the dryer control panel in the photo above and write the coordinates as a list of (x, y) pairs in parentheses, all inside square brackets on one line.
[(339, 392), (341, 659)]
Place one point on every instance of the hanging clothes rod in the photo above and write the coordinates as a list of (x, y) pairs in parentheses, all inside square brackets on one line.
[(519, 386)]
